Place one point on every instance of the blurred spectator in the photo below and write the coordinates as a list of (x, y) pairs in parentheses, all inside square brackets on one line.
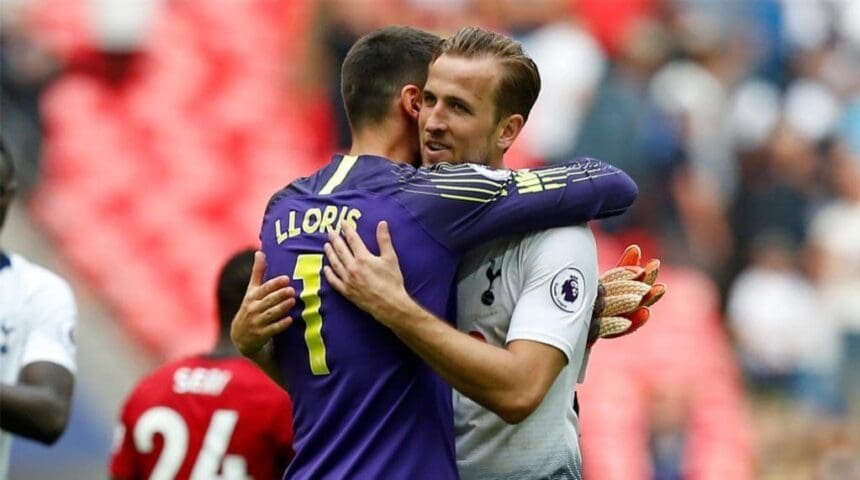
[(786, 340), (623, 119), (337, 24), (834, 238), (777, 189), (571, 65), (753, 114), (626, 126), (121, 25), (519, 18), (811, 109), (611, 21), (694, 90), (26, 69)]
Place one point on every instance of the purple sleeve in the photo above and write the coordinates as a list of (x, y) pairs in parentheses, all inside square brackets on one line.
[(466, 205)]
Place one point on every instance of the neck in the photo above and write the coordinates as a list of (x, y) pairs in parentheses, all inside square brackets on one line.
[(384, 140), (224, 348), (497, 163)]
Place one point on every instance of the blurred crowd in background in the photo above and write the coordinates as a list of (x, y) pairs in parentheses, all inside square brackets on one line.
[(149, 133)]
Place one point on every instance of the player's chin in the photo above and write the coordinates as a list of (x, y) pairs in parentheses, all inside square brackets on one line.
[(430, 157)]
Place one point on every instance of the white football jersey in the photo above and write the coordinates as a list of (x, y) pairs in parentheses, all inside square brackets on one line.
[(540, 287), (37, 324)]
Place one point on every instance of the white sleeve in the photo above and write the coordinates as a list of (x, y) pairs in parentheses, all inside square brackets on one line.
[(52, 314), (559, 269)]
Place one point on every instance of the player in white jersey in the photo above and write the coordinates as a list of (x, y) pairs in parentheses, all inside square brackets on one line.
[(37, 346), (538, 288)]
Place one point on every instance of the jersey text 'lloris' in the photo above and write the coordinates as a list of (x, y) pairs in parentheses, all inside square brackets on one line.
[(330, 218)]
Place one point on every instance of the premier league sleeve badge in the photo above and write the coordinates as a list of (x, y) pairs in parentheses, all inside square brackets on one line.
[(567, 291)]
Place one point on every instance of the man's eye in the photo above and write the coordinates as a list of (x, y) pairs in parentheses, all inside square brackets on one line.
[(459, 107)]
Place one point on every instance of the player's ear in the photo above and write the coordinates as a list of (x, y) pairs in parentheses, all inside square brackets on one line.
[(508, 130), (410, 100)]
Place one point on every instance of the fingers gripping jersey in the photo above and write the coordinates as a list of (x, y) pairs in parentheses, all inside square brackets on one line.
[(365, 405)]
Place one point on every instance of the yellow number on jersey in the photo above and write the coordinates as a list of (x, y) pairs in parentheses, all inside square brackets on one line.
[(308, 270)]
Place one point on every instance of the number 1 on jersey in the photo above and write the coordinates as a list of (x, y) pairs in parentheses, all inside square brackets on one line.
[(308, 269)]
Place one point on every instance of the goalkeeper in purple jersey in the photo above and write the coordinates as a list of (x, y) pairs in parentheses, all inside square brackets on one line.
[(366, 406)]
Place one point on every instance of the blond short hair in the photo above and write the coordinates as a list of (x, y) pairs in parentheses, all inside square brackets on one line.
[(519, 85)]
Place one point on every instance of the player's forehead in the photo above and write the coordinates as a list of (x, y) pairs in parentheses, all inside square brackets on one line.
[(473, 79)]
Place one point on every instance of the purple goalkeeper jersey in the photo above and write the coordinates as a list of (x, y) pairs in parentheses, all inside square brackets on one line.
[(366, 406)]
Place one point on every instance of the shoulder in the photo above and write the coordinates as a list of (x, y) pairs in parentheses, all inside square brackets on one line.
[(563, 241), (299, 186), (39, 279), (560, 257), (305, 185)]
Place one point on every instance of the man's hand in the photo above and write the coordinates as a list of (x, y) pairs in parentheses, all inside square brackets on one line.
[(630, 290), (373, 283), (261, 315), (510, 381)]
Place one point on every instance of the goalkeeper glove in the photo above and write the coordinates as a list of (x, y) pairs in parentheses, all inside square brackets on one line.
[(629, 290)]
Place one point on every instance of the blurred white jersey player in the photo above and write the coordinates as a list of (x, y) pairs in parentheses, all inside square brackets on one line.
[(540, 287), (37, 347), (37, 322)]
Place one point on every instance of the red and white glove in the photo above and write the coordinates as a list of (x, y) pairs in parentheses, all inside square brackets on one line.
[(629, 291)]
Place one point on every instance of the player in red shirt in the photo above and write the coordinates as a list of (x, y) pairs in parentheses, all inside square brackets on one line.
[(212, 416)]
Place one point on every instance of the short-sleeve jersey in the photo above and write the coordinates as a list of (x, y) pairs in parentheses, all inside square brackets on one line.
[(541, 288), (365, 405), (203, 418), (37, 324)]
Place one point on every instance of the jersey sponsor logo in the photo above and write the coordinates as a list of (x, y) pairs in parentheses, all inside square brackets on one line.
[(487, 298), (566, 289)]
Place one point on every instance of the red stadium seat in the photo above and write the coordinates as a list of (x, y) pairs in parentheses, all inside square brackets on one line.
[(149, 184)]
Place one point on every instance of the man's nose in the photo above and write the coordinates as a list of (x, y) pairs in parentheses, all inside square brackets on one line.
[(436, 120)]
